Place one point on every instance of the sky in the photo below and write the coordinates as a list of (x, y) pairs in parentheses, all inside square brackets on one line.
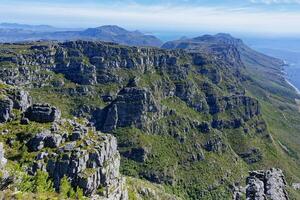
[(265, 17)]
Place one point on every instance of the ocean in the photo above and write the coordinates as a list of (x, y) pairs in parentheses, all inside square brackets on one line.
[(292, 58)]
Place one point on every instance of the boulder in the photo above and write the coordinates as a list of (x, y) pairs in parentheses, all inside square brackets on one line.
[(3, 160), (296, 186), (37, 142), (42, 113), (255, 189), (6, 107), (21, 99), (53, 140), (215, 145), (204, 127), (251, 156), (24, 121), (269, 184), (79, 133)]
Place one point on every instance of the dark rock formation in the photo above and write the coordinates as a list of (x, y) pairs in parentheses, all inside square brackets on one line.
[(42, 113), (20, 98), (227, 124), (245, 106), (270, 184), (215, 145), (137, 154), (44, 139), (204, 127), (78, 72), (132, 106), (24, 121), (6, 106), (188, 93), (251, 156)]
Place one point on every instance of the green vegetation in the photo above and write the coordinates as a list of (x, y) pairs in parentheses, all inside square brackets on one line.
[(174, 157)]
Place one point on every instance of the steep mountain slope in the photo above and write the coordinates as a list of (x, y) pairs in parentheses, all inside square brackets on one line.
[(107, 33), (194, 121)]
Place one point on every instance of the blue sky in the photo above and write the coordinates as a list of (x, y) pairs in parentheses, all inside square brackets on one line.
[(276, 17)]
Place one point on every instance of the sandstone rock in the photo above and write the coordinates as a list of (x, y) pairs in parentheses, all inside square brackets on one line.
[(215, 145), (6, 106), (137, 154), (21, 99), (227, 124), (43, 113), (3, 160), (269, 184), (251, 156), (89, 163), (24, 121), (204, 127), (53, 140), (296, 186), (131, 107), (37, 142), (187, 92), (133, 82), (255, 189), (246, 106)]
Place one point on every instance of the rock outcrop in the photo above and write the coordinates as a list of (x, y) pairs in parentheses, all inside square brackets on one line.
[(6, 106), (253, 155), (42, 113), (247, 106), (20, 98), (133, 106), (269, 184), (3, 160), (215, 145), (89, 159)]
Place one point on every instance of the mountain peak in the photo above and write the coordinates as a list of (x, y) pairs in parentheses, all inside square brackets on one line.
[(112, 28)]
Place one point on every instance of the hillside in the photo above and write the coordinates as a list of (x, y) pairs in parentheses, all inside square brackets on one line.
[(190, 121), (108, 33)]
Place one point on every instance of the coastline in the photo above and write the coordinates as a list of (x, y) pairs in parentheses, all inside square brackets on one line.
[(297, 91), (293, 86)]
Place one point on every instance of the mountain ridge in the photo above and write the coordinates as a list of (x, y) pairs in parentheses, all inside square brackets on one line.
[(193, 122), (109, 33)]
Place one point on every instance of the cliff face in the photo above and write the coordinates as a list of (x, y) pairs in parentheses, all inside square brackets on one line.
[(63, 148), (191, 119)]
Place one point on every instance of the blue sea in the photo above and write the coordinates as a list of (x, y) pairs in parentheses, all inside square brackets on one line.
[(292, 58), (287, 49)]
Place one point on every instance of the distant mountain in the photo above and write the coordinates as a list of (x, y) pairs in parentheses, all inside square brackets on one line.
[(39, 28), (191, 122), (109, 33), (264, 70)]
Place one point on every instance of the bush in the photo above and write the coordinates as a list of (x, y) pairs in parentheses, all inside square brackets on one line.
[(42, 183), (65, 189)]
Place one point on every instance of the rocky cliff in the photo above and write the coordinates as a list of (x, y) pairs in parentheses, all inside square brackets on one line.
[(63, 148), (192, 120)]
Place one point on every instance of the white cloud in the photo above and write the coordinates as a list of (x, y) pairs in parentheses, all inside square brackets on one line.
[(173, 18)]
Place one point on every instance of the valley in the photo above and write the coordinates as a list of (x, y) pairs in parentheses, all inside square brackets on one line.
[(185, 121)]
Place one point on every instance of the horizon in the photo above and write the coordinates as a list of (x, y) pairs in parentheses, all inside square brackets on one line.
[(272, 18)]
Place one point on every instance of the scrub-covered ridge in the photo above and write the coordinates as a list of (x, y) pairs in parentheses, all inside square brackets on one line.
[(117, 122)]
